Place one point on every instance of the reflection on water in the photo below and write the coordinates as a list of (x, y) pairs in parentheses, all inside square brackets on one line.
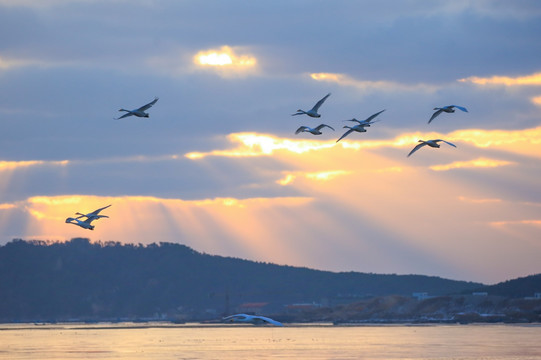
[(168, 341)]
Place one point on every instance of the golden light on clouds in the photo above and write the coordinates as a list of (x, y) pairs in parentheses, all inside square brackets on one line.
[(528, 80), (527, 141), (11, 165), (231, 226), (479, 200), (289, 178), (326, 175), (254, 144), (346, 80), (477, 163), (516, 222), (536, 100), (224, 57), (6, 206)]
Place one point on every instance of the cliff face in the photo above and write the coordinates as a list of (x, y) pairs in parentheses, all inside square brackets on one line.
[(456, 308)]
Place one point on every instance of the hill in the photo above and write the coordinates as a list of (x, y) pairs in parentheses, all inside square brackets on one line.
[(516, 288), (42, 281)]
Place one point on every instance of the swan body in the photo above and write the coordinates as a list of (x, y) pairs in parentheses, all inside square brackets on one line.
[(313, 111), (447, 109), (431, 143), (139, 112), (87, 223), (251, 319), (314, 131)]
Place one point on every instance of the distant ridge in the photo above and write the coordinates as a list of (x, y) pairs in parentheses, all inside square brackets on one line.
[(516, 288), (54, 281)]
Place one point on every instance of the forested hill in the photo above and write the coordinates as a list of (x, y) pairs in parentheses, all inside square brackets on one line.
[(83, 280), (520, 287)]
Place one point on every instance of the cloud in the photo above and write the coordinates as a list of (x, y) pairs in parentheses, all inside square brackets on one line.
[(225, 60), (290, 177), (527, 80), (254, 144), (10, 63), (345, 80), (477, 163), (516, 222), (536, 100), (527, 141), (12, 165), (479, 200)]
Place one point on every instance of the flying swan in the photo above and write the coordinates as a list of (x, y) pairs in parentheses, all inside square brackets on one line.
[(86, 224), (368, 121), (140, 112), (431, 143), (447, 109), (314, 131), (251, 319), (313, 111)]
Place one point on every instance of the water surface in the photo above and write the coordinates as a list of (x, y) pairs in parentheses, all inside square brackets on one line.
[(323, 341)]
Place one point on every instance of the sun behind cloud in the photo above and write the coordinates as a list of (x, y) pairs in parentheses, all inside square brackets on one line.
[(224, 58)]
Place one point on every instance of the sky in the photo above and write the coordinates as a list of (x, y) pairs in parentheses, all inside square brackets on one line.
[(217, 165)]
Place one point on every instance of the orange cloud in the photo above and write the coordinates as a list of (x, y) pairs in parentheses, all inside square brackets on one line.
[(253, 144), (536, 100), (516, 222), (477, 163), (528, 80), (317, 176), (479, 200), (527, 141)]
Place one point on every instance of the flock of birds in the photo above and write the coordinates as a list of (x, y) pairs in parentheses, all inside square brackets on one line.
[(363, 124), (85, 220)]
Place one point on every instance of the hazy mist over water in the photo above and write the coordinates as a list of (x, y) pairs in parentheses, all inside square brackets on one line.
[(164, 341)]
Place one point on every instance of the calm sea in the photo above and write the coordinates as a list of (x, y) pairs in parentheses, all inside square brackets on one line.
[(159, 341)]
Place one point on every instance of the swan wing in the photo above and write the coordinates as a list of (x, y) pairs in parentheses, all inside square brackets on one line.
[(123, 116), (417, 147), (447, 142), (268, 320), (301, 129), (345, 134), (374, 115), (320, 102), (319, 127), (149, 105), (434, 115), (96, 212)]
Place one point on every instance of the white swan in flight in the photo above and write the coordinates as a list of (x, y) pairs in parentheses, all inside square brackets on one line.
[(86, 224), (431, 143), (313, 111), (251, 319), (140, 112), (357, 128), (447, 109), (314, 131), (368, 120)]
